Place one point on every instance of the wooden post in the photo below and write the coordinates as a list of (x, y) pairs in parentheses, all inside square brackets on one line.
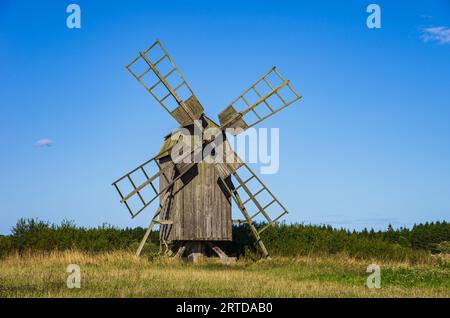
[(144, 239), (152, 223)]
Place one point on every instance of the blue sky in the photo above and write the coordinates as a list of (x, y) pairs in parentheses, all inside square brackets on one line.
[(368, 144)]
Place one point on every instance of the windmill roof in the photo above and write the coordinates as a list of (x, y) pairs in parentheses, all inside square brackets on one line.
[(170, 140)]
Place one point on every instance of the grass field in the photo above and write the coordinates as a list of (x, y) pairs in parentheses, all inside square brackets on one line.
[(120, 274)]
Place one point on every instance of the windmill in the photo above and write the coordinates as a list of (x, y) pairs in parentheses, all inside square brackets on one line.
[(195, 196)]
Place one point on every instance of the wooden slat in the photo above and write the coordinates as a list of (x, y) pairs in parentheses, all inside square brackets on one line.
[(249, 193), (164, 98), (153, 86), (170, 73), (160, 60), (265, 102), (251, 196), (251, 178), (269, 204), (264, 208), (142, 185), (121, 197), (144, 73), (257, 115), (248, 200), (275, 220), (178, 86), (134, 186)]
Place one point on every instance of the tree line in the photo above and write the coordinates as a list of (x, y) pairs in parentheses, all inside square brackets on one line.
[(284, 239)]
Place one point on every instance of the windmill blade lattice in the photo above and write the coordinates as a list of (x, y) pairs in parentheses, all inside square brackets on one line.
[(155, 70), (140, 187), (266, 97)]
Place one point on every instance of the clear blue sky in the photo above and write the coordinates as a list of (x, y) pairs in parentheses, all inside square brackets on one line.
[(368, 145)]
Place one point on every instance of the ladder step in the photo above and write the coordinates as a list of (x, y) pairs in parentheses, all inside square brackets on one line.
[(143, 74), (154, 85), (151, 47), (245, 100), (257, 115), (240, 222), (137, 191), (253, 196), (249, 179), (168, 74), (269, 204), (280, 216), (272, 222), (161, 100), (179, 85), (264, 228), (256, 91), (257, 213), (165, 222), (158, 61)]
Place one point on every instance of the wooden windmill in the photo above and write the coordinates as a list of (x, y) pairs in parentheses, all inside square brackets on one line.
[(194, 212)]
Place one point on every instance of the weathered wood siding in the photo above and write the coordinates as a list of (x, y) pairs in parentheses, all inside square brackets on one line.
[(201, 209)]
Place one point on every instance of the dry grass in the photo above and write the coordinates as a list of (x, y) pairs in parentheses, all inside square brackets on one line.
[(120, 274)]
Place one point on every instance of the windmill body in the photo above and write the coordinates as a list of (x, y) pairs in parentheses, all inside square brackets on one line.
[(195, 193), (201, 208)]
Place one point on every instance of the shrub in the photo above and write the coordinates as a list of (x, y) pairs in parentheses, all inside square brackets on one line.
[(283, 239), (443, 247)]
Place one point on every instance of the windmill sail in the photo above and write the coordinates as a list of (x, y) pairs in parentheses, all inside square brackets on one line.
[(252, 200), (255, 197), (155, 70), (251, 195), (138, 188), (267, 96), (140, 194)]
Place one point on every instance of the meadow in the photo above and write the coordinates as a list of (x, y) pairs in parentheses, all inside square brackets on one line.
[(306, 261), (121, 274)]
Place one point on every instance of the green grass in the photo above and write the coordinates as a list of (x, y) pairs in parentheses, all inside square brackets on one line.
[(120, 274)]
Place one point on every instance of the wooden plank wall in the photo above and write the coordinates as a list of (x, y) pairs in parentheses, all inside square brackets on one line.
[(201, 209)]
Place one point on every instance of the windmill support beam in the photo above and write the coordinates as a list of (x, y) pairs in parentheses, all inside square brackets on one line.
[(194, 251), (152, 223)]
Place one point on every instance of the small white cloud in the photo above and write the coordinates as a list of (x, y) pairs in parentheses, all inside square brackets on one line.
[(439, 34), (44, 142)]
